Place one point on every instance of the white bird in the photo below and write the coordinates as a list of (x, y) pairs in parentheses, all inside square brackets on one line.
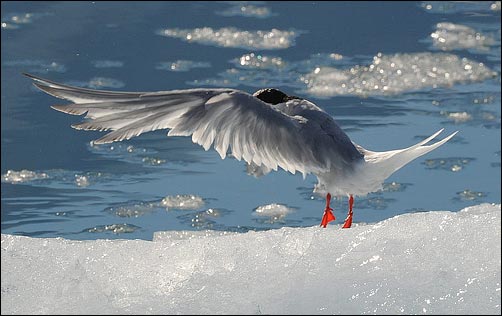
[(268, 129)]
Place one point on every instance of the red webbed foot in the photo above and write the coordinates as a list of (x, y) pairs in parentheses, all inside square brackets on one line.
[(328, 215)]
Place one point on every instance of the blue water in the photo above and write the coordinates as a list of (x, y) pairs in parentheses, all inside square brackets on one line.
[(86, 190)]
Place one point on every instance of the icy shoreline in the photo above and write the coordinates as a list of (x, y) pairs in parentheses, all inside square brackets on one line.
[(436, 262)]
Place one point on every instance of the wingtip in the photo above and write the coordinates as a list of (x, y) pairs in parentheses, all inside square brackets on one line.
[(33, 77), (437, 133), (452, 134), (38, 82), (447, 138), (444, 140), (28, 75)]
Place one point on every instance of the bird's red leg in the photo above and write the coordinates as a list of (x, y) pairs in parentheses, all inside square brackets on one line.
[(348, 220), (328, 215)]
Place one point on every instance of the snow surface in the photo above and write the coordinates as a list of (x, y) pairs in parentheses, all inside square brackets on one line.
[(435, 262)]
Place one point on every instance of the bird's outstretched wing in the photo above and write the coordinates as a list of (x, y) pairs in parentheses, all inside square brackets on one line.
[(226, 118)]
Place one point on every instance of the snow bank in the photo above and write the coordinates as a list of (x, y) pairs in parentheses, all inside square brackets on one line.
[(422, 263)]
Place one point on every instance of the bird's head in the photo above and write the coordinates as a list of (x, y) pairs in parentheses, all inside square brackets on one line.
[(271, 96)]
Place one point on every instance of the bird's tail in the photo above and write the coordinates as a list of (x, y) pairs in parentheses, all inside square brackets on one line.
[(384, 164)]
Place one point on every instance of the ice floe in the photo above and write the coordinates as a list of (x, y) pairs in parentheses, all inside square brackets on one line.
[(234, 37), (37, 66), (14, 21), (183, 202), (99, 83), (390, 74), (181, 65), (327, 75), (247, 10), (449, 36), (426, 262), (450, 164), (22, 176)]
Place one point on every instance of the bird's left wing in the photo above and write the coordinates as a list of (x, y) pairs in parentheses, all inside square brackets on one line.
[(225, 118)]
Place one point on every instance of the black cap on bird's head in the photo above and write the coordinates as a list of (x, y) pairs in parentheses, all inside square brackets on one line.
[(271, 96)]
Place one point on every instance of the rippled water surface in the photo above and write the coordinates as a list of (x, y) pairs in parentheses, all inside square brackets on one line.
[(391, 74)]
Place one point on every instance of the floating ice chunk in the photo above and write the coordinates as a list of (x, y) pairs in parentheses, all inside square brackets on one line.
[(183, 202), (254, 77), (273, 209), (474, 116), (133, 208), (98, 83), (21, 18), (102, 82), (247, 11), (107, 64), (234, 37), (326, 75), (465, 7), (457, 117), (451, 164), (38, 66), (468, 195), (9, 26), (81, 180), (258, 61), (65, 177), (274, 212), (202, 220), (450, 36), (114, 228), (395, 186), (182, 65), (23, 176), (153, 161), (259, 70), (389, 74), (15, 20)]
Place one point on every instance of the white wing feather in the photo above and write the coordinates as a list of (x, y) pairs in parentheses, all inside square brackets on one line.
[(228, 119)]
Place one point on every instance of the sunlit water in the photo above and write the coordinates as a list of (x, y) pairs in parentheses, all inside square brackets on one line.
[(390, 73)]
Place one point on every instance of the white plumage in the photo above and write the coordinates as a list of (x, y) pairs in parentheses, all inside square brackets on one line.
[(268, 130)]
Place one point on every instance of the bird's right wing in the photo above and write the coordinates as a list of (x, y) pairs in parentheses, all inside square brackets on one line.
[(225, 118)]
